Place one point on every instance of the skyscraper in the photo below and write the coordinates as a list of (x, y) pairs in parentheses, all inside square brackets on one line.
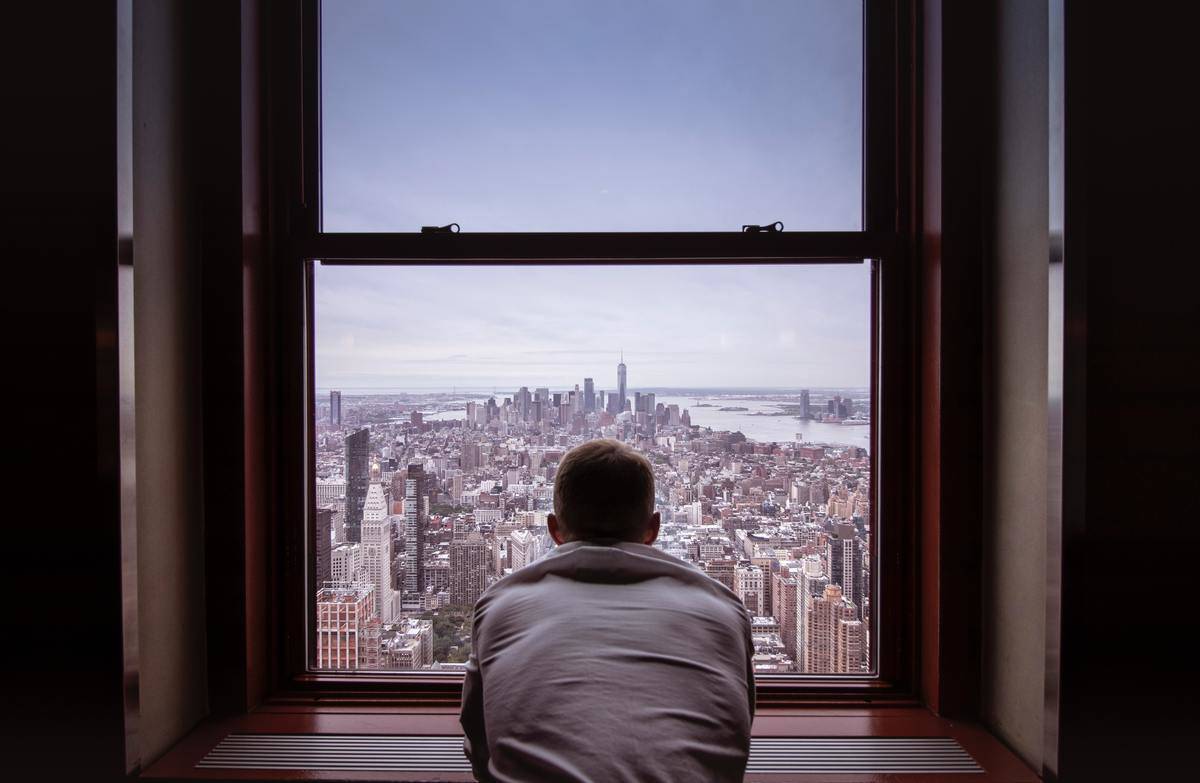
[(621, 390), (335, 408), (849, 647), (810, 584), (831, 647), (468, 569), (589, 395), (377, 550), (323, 522), (846, 565), (523, 399), (805, 413), (414, 530), (358, 476), (783, 598)]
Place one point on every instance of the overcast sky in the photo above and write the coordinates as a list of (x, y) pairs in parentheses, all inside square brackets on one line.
[(582, 115), (601, 115), (432, 327)]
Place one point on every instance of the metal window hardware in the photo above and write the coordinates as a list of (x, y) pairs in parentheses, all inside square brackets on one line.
[(769, 228), (449, 228)]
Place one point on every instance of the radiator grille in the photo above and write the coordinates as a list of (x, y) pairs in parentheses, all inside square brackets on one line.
[(784, 755)]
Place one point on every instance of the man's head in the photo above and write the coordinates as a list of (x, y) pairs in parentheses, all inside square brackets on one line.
[(604, 489)]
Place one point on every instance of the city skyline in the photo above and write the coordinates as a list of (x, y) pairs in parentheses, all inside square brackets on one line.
[(453, 506), (703, 326)]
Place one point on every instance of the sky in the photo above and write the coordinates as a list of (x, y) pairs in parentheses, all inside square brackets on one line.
[(589, 115), (426, 327)]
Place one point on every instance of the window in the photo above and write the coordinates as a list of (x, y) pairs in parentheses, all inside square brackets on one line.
[(441, 417), (600, 163), (659, 115)]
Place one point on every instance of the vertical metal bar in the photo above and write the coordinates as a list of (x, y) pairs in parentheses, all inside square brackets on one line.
[(1054, 378), (127, 417), (310, 458), (879, 138), (878, 599), (311, 222)]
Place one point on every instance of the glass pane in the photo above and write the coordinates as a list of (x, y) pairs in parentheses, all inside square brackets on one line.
[(576, 115), (447, 395)]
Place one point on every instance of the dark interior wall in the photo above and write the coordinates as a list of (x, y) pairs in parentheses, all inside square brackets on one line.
[(63, 696), (1131, 428), (86, 160), (171, 608), (1014, 536), (955, 154)]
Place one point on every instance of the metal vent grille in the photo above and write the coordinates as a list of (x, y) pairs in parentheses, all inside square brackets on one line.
[(384, 752), (859, 755)]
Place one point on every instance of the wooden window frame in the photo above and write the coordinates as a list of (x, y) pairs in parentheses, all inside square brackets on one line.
[(292, 140)]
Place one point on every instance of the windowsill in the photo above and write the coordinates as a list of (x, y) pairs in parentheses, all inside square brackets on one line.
[(999, 763)]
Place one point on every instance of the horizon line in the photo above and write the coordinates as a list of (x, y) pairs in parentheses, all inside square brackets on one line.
[(452, 388)]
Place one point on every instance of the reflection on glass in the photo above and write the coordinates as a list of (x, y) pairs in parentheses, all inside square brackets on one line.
[(446, 397), (574, 115)]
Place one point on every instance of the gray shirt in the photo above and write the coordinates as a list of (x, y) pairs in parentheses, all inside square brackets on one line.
[(609, 661)]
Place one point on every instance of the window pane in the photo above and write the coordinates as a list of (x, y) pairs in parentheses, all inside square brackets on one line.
[(446, 397), (576, 115)]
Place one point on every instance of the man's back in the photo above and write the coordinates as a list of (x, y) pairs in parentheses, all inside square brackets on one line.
[(609, 662)]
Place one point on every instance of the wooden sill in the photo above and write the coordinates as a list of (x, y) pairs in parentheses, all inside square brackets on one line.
[(999, 763)]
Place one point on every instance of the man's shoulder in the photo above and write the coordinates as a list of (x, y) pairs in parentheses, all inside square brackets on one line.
[(620, 563)]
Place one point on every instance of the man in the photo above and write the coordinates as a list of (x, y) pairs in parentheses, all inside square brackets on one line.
[(608, 660)]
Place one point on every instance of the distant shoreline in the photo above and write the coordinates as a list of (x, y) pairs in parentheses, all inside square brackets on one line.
[(696, 392)]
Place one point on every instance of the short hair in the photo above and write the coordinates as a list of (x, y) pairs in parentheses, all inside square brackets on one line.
[(604, 489)]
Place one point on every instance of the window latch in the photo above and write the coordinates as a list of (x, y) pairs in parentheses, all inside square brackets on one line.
[(769, 228), (449, 228)]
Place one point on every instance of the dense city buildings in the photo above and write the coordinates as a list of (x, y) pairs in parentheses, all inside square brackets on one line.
[(456, 487), (407, 645)]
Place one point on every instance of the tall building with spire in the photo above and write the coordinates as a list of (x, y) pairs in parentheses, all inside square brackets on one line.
[(377, 550), (622, 395)]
